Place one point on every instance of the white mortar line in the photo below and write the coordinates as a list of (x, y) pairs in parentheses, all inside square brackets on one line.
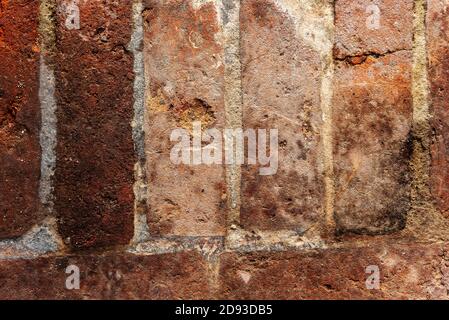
[(230, 20), (326, 95), (141, 232), (47, 134), (420, 86)]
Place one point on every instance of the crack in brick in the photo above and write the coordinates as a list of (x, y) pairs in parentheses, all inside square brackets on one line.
[(361, 58)]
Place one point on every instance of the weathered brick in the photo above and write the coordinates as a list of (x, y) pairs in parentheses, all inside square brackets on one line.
[(110, 276), (406, 272), (184, 69), (372, 112), (438, 44), (357, 33), (19, 117), (94, 79), (281, 80)]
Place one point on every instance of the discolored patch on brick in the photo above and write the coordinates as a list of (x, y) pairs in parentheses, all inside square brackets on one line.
[(109, 276), (372, 114), (281, 80), (95, 156), (375, 27), (405, 272), (19, 117), (184, 75), (438, 51)]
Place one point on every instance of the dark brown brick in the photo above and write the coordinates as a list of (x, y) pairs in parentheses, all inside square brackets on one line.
[(372, 114), (95, 157), (184, 68), (19, 117), (281, 80), (438, 44), (110, 276), (406, 272)]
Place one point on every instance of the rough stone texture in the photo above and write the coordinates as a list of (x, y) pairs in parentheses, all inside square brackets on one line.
[(372, 111), (353, 37), (19, 117), (109, 276), (272, 69), (438, 44), (95, 157), (184, 76), (406, 272), (281, 90)]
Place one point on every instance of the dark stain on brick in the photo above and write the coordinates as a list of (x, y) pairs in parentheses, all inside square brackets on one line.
[(373, 146), (19, 117), (94, 174)]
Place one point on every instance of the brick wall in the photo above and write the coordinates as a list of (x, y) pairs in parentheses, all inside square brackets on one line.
[(90, 92)]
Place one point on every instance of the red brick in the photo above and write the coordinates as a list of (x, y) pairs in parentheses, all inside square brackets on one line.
[(438, 44), (281, 90), (184, 68), (19, 117), (110, 276), (355, 37), (406, 272), (372, 114), (95, 157)]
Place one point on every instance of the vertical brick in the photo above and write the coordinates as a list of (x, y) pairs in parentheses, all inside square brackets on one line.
[(438, 44), (184, 70), (19, 116), (372, 112), (95, 157), (281, 80)]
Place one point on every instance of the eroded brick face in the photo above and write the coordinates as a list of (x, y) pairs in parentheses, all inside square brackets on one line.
[(372, 114), (438, 44), (184, 70), (340, 100), (375, 27), (281, 90), (109, 276), (321, 274), (95, 156), (337, 273), (19, 117)]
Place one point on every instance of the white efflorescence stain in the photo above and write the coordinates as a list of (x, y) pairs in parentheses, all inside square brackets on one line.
[(72, 14), (373, 20), (245, 276)]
